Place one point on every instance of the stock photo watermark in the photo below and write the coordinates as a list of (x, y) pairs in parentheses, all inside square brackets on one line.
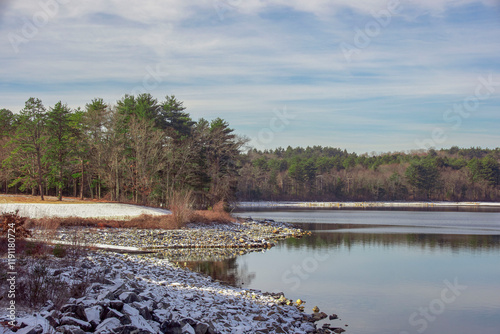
[(151, 80), (222, 7), (363, 37), (11, 273), (455, 115), (277, 124), (425, 315), (31, 27), (298, 273)]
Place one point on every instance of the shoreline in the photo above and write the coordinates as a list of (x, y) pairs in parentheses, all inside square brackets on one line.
[(135, 293), (363, 205), (151, 294)]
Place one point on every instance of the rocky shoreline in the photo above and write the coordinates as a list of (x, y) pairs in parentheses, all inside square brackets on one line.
[(224, 240), (137, 293)]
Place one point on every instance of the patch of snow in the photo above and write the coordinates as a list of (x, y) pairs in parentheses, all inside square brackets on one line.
[(94, 210)]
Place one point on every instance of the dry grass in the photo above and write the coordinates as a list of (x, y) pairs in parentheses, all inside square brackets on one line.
[(216, 215), (48, 199)]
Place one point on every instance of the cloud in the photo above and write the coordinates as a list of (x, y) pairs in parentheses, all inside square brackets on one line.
[(262, 55)]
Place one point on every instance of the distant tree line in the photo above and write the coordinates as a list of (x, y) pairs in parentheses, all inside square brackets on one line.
[(147, 151), (140, 150), (331, 174)]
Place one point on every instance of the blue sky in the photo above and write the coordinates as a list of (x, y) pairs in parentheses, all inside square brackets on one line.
[(368, 76)]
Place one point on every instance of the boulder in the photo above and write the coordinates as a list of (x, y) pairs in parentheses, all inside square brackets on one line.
[(86, 326), (108, 325), (78, 311), (129, 297), (171, 327), (128, 329), (94, 315), (69, 329), (38, 329)]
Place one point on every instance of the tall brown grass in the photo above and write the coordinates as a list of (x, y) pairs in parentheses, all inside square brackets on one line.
[(217, 215), (181, 204)]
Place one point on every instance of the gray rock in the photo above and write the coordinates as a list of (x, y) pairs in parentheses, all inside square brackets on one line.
[(54, 322), (188, 329), (201, 328), (171, 327), (129, 297), (69, 329), (144, 312), (189, 321), (94, 315), (86, 265), (116, 304), (38, 329), (77, 310), (108, 325), (131, 330), (124, 318), (86, 326), (58, 272)]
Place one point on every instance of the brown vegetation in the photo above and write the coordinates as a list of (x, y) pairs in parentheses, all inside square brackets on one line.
[(14, 223)]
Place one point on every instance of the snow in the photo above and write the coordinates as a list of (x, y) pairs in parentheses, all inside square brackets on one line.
[(93, 210)]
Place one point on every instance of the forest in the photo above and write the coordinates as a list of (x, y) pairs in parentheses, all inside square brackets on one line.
[(146, 151), (331, 174), (140, 150)]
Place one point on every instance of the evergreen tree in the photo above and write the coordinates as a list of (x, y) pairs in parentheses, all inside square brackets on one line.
[(30, 141)]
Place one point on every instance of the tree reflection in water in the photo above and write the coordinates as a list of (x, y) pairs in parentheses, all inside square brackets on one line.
[(227, 271)]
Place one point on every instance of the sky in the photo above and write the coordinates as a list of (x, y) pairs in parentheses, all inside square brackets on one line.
[(366, 76)]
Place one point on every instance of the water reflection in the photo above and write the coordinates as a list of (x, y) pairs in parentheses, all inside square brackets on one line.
[(227, 269), (420, 240)]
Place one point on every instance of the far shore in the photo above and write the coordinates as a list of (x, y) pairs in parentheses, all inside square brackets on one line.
[(374, 205)]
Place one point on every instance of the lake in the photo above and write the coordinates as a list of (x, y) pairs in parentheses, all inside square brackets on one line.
[(382, 271)]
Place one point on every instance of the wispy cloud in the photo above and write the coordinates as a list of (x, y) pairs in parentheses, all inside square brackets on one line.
[(261, 55)]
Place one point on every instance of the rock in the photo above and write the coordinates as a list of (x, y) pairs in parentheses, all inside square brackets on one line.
[(112, 313), (69, 329), (188, 321), (171, 327), (58, 272), (38, 329), (108, 325), (54, 322), (129, 297), (188, 329), (116, 304), (77, 310), (333, 317), (94, 315), (130, 330), (201, 328), (144, 312), (124, 318), (318, 316), (315, 309), (86, 326)]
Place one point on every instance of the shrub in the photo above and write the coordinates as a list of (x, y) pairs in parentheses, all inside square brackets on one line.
[(181, 204), (59, 251), (13, 220)]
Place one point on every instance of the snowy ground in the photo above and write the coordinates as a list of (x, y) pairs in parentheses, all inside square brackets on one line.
[(94, 210), (137, 294)]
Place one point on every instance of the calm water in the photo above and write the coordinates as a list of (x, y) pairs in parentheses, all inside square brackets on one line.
[(383, 271)]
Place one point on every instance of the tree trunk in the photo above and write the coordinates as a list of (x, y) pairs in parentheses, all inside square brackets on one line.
[(39, 163), (59, 190), (82, 180)]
